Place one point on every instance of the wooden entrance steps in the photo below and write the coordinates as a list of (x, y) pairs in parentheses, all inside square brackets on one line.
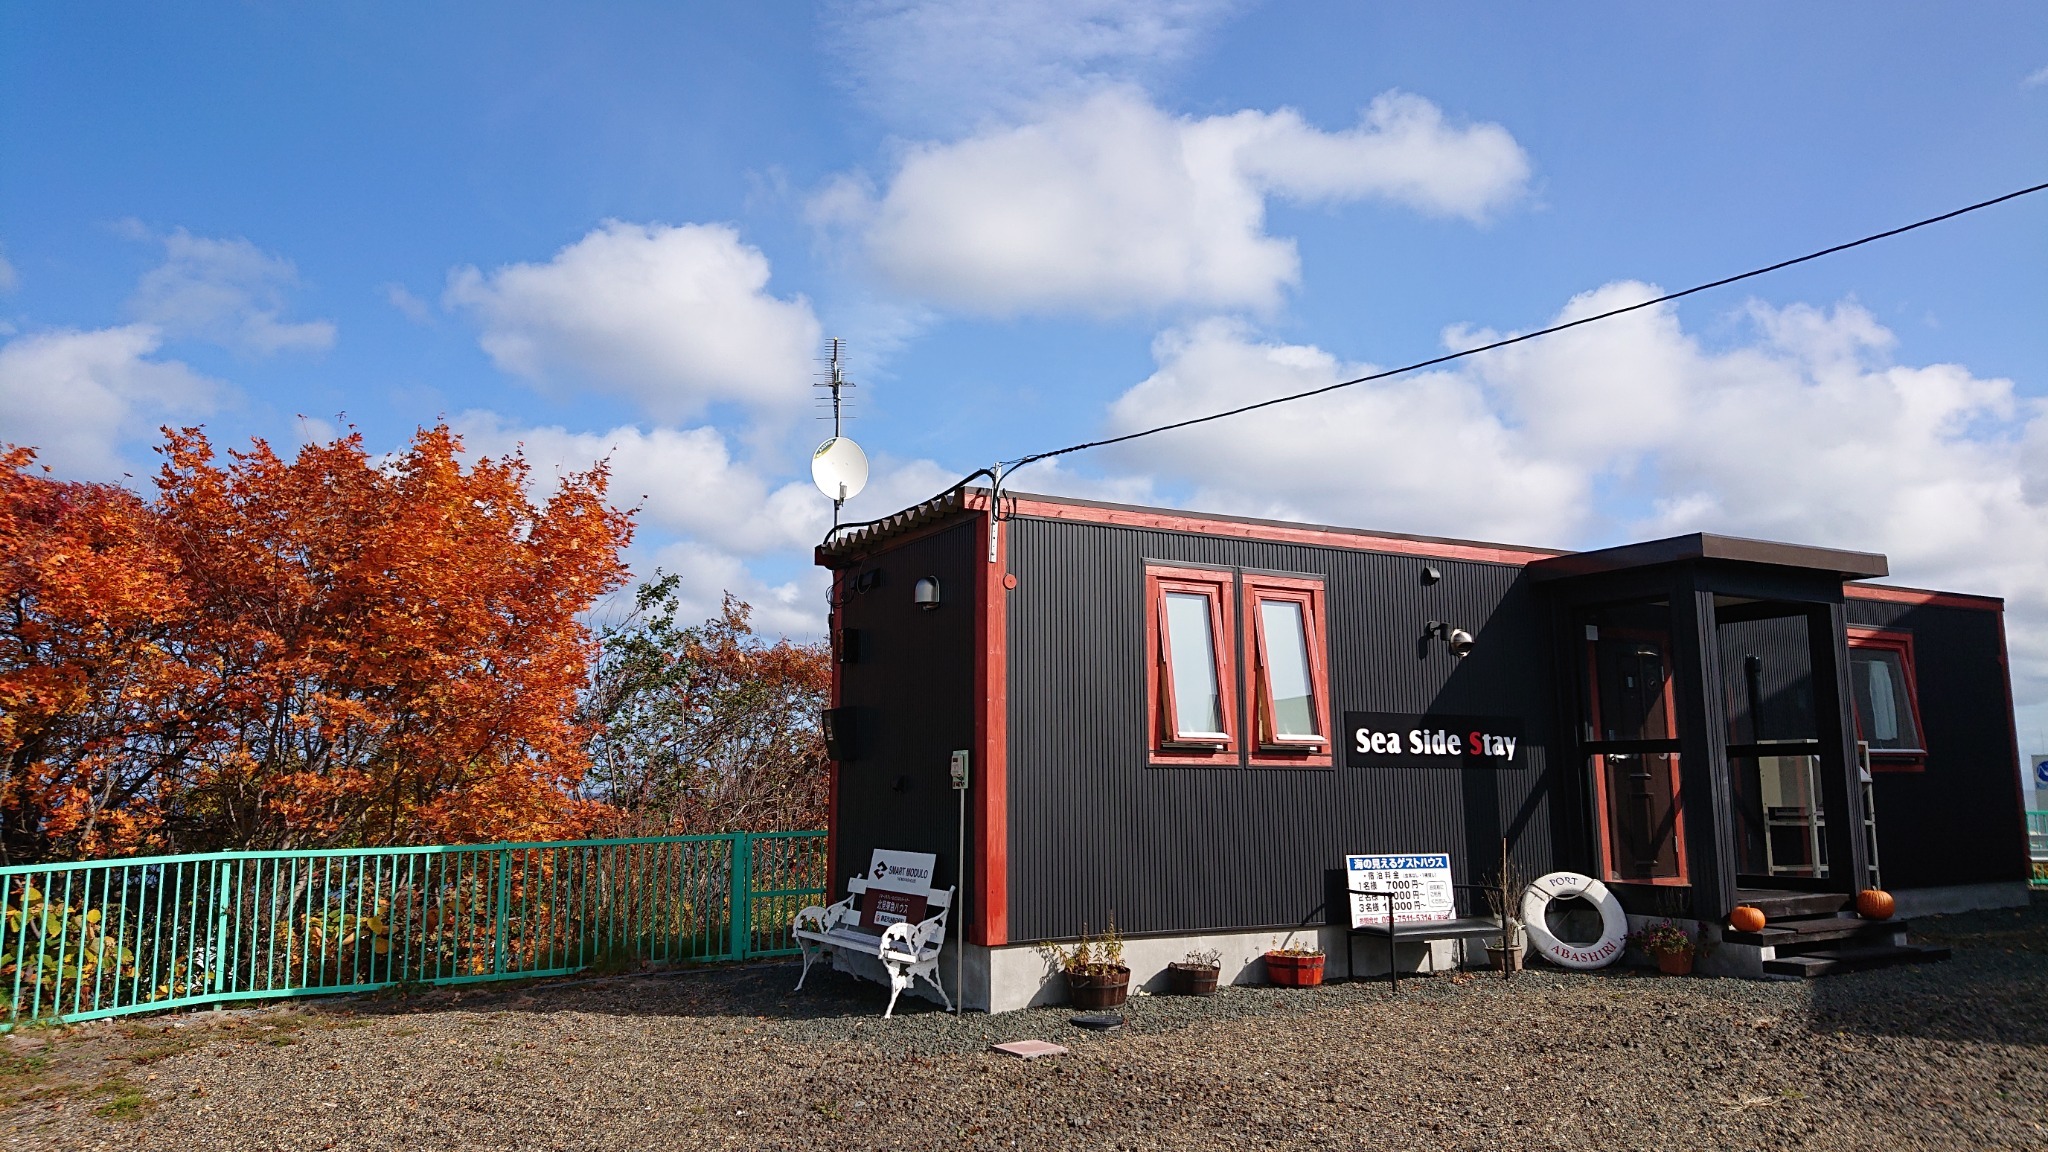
[(1778, 904), (1813, 934)]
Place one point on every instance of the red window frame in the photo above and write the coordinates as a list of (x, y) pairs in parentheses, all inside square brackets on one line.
[(1266, 749), (1159, 726), (1892, 640)]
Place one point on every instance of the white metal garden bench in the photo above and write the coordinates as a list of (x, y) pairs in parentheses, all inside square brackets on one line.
[(908, 951)]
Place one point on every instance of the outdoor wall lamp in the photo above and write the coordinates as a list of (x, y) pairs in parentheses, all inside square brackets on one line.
[(925, 593), (1457, 639)]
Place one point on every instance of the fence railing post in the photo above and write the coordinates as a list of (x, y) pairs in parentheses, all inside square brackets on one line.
[(504, 908), (216, 958), (742, 894)]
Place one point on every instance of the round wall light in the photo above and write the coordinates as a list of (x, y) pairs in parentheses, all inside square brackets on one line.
[(1461, 642), (925, 593)]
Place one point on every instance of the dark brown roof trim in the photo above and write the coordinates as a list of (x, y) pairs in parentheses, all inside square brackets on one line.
[(1707, 546)]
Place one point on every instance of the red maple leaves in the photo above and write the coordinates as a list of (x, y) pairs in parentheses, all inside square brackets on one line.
[(326, 650)]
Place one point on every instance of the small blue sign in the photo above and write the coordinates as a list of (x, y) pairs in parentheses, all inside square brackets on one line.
[(2041, 771)]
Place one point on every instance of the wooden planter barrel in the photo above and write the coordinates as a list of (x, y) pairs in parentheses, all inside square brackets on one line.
[(1094, 991), (1674, 963), (1191, 979), (1294, 971)]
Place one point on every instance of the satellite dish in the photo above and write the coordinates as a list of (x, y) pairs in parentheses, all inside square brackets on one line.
[(839, 468)]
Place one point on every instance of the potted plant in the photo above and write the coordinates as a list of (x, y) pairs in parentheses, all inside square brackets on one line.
[(1292, 966), (1668, 945), (1094, 966), (1508, 951), (1195, 974)]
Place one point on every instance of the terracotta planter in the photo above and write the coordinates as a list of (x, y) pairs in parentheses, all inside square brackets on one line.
[(1095, 991), (1674, 963), (1294, 971), (1191, 979)]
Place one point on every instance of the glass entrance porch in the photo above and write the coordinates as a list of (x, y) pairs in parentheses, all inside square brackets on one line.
[(1711, 701)]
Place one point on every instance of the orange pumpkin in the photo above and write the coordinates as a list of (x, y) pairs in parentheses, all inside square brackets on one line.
[(1746, 919), (1875, 904)]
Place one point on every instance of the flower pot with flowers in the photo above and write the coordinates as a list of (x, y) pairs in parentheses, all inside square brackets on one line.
[(1094, 967), (1668, 945), (1293, 966)]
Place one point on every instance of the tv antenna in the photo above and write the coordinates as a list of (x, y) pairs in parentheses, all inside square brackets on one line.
[(838, 467)]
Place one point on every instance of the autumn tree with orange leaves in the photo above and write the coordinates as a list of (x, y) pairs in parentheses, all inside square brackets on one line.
[(330, 650)]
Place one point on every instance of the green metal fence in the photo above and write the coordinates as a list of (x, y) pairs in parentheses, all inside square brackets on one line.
[(110, 937), (2037, 847)]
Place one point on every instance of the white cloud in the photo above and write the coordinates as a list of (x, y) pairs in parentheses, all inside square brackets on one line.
[(1113, 205), (707, 515), (74, 396), (794, 607), (685, 481), (414, 308), (674, 318), (1631, 429), (2035, 78), (229, 292), (942, 65), (1421, 453)]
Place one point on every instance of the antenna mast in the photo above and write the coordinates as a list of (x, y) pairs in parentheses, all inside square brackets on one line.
[(839, 467), (835, 381)]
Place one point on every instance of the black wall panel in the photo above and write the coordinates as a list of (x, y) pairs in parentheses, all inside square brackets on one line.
[(910, 696), (1960, 821), (1767, 677), (1094, 830)]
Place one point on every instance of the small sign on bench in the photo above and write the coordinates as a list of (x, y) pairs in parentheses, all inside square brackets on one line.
[(901, 871), (880, 908), (897, 883), (1420, 883)]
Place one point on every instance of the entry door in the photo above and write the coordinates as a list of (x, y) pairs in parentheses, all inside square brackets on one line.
[(1636, 772)]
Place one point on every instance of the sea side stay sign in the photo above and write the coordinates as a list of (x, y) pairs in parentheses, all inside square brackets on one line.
[(1420, 882), (1431, 740)]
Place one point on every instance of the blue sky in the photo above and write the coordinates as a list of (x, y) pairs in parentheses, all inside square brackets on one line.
[(622, 231)]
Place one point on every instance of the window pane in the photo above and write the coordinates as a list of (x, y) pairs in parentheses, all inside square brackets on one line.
[(1287, 672), (1884, 712), (1643, 812), (1625, 671), (1197, 704)]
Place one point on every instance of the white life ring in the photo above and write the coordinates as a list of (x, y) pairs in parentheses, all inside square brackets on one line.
[(1562, 886)]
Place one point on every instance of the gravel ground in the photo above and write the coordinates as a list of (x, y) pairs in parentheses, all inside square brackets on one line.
[(1938, 1056)]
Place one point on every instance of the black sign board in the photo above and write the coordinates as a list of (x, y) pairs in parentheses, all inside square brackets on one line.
[(1431, 740)]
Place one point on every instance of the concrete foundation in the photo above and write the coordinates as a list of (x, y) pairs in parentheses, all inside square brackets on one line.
[(1960, 898), (1018, 976)]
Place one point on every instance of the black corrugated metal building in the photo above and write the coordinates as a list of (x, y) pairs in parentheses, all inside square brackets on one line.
[(1183, 720)]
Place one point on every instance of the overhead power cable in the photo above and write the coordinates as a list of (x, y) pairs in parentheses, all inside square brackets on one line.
[(1502, 343), (1003, 470)]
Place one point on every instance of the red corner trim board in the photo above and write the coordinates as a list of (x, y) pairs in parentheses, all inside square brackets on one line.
[(989, 781)]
